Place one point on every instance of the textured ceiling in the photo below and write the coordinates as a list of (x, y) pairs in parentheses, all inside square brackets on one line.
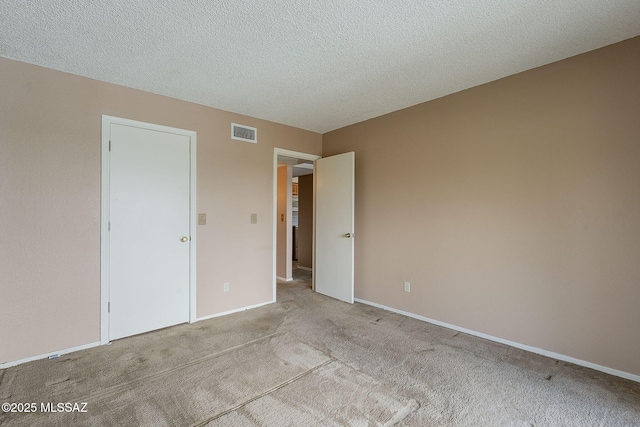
[(317, 65)]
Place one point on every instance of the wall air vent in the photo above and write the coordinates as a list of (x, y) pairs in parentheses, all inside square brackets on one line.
[(244, 133)]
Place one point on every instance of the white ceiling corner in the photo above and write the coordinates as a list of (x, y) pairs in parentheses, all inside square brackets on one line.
[(314, 65)]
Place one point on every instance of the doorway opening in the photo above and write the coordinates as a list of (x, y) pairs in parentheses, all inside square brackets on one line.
[(333, 222), (293, 216)]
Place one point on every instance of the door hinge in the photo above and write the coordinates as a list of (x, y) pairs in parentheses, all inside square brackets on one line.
[(109, 145), (109, 307), (109, 226)]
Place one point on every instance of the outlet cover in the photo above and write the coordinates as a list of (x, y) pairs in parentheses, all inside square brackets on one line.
[(407, 286), (225, 287), (254, 218)]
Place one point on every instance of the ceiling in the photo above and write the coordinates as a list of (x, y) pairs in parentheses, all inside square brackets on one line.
[(317, 65), (300, 167)]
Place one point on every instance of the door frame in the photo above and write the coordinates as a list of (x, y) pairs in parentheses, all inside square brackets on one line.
[(104, 216), (297, 155)]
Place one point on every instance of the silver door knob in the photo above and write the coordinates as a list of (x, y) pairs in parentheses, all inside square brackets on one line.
[(184, 239), (350, 235)]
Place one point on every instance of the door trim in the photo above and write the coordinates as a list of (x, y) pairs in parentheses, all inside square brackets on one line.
[(298, 155), (104, 216)]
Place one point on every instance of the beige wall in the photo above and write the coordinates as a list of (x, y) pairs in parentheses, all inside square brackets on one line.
[(513, 208), (305, 220), (284, 249), (50, 139)]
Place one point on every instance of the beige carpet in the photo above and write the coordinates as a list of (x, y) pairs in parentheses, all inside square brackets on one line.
[(309, 360)]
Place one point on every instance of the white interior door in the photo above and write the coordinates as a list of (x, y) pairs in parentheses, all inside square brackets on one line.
[(149, 208), (335, 190)]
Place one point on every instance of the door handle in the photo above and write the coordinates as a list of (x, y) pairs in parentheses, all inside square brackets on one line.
[(184, 239), (350, 235)]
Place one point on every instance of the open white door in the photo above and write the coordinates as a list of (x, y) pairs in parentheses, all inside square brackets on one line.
[(334, 228)]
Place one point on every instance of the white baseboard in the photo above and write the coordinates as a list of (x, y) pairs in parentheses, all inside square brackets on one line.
[(234, 311), (304, 268), (536, 350), (97, 343), (53, 353), (282, 279)]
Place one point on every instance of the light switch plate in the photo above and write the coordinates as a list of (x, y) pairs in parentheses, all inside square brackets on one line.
[(254, 218), (202, 219)]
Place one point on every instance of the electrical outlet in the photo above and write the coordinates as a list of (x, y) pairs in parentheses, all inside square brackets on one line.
[(225, 287), (407, 286), (254, 218)]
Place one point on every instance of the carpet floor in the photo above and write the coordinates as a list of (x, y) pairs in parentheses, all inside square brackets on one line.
[(309, 360)]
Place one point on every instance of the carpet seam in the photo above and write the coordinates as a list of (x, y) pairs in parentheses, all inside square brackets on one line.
[(118, 388), (265, 393)]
